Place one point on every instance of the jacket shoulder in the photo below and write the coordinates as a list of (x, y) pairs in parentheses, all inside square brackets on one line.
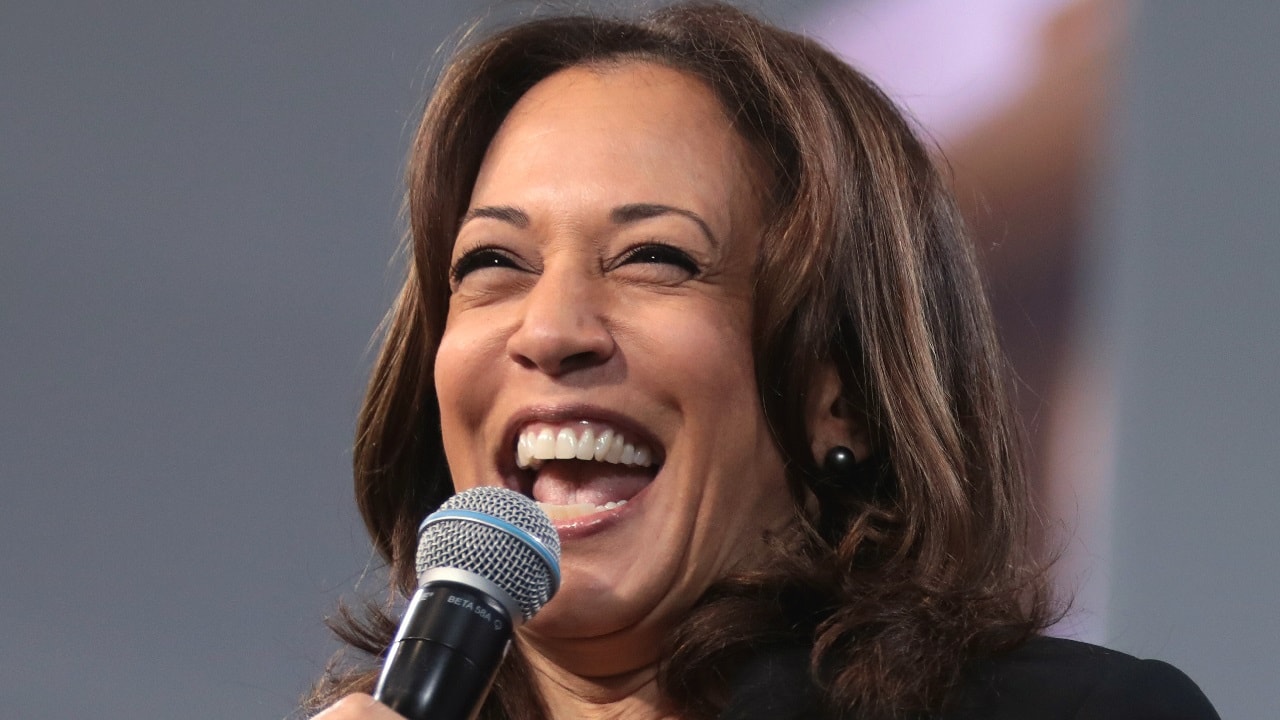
[(1059, 679), (1044, 678)]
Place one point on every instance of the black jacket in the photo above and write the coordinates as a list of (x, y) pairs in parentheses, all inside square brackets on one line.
[(1044, 679)]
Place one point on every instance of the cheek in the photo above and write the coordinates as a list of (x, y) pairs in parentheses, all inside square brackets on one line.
[(466, 360), (465, 388), (449, 375), (706, 352), (733, 475)]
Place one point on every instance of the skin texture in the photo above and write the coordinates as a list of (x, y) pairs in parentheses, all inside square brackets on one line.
[(565, 320)]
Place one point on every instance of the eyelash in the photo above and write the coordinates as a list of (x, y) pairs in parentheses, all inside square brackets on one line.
[(655, 253), (661, 253), (478, 258)]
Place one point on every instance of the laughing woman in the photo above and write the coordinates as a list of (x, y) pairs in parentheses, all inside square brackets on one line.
[(712, 263)]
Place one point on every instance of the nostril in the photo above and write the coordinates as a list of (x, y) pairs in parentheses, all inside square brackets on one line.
[(579, 361), (556, 353), (561, 365)]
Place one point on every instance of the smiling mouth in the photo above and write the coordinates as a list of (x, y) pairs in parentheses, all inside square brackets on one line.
[(578, 469)]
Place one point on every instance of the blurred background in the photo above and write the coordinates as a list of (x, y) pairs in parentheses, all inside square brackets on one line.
[(198, 215)]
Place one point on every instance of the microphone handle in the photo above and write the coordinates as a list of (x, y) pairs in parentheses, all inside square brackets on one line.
[(446, 653)]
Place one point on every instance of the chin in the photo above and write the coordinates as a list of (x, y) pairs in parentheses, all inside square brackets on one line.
[(587, 605), (589, 637)]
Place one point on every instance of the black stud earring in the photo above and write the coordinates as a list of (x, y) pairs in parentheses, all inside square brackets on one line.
[(842, 473), (840, 465)]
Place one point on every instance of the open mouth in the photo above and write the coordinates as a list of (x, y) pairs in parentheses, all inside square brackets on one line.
[(581, 468)]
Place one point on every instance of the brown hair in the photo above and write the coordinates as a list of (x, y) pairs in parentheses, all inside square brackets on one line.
[(864, 264)]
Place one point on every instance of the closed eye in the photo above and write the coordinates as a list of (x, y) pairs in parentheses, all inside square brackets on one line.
[(479, 259), (653, 253)]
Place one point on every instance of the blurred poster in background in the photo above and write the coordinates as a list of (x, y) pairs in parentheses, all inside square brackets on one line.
[(1014, 96)]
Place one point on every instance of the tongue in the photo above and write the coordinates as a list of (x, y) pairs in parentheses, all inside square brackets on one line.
[(571, 482)]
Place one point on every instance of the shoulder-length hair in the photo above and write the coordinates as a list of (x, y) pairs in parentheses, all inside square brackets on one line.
[(898, 582)]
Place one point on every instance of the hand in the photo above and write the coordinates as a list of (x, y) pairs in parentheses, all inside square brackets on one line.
[(358, 707)]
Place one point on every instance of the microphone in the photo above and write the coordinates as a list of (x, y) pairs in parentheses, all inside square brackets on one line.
[(488, 560)]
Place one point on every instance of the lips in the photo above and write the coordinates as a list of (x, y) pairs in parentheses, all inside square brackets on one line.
[(576, 468)]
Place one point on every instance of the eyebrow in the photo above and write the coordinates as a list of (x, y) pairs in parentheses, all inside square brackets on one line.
[(621, 215), (643, 211), (505, 213)]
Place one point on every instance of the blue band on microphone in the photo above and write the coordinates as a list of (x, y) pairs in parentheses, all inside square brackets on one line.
[(533, 541)]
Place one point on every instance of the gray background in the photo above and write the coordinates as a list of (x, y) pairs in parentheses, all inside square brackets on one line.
[(1191, 229), (197, 214)]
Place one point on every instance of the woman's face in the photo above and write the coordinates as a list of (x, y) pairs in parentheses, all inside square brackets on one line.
[(597, 353)]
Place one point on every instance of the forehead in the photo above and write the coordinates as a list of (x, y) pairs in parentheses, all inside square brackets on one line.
[(589, 138)]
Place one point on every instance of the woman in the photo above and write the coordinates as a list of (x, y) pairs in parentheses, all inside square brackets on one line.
[(712, 261)]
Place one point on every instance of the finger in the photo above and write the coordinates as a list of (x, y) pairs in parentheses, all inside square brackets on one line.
[(358, 706)]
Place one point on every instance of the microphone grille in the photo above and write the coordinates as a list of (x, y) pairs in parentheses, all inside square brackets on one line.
[(499, 535)]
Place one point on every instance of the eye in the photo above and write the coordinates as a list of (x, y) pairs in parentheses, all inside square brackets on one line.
[(655, 253), (479, 259)]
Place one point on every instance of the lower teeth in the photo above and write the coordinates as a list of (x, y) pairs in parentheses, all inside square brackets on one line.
[(566, 512)]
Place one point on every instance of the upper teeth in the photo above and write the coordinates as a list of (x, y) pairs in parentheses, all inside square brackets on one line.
[(534, 446)]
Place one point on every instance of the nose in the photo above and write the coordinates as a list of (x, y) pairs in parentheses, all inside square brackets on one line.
[(563, 328)]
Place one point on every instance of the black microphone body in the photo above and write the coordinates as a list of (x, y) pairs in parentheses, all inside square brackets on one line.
[(445, 654)]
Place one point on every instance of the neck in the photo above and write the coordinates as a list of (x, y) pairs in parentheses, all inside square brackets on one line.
[(631, 695)]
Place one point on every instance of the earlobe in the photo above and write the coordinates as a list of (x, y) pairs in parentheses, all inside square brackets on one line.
[(832, 420)]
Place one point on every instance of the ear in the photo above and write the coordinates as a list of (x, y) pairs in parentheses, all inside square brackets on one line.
[(831, 420)]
